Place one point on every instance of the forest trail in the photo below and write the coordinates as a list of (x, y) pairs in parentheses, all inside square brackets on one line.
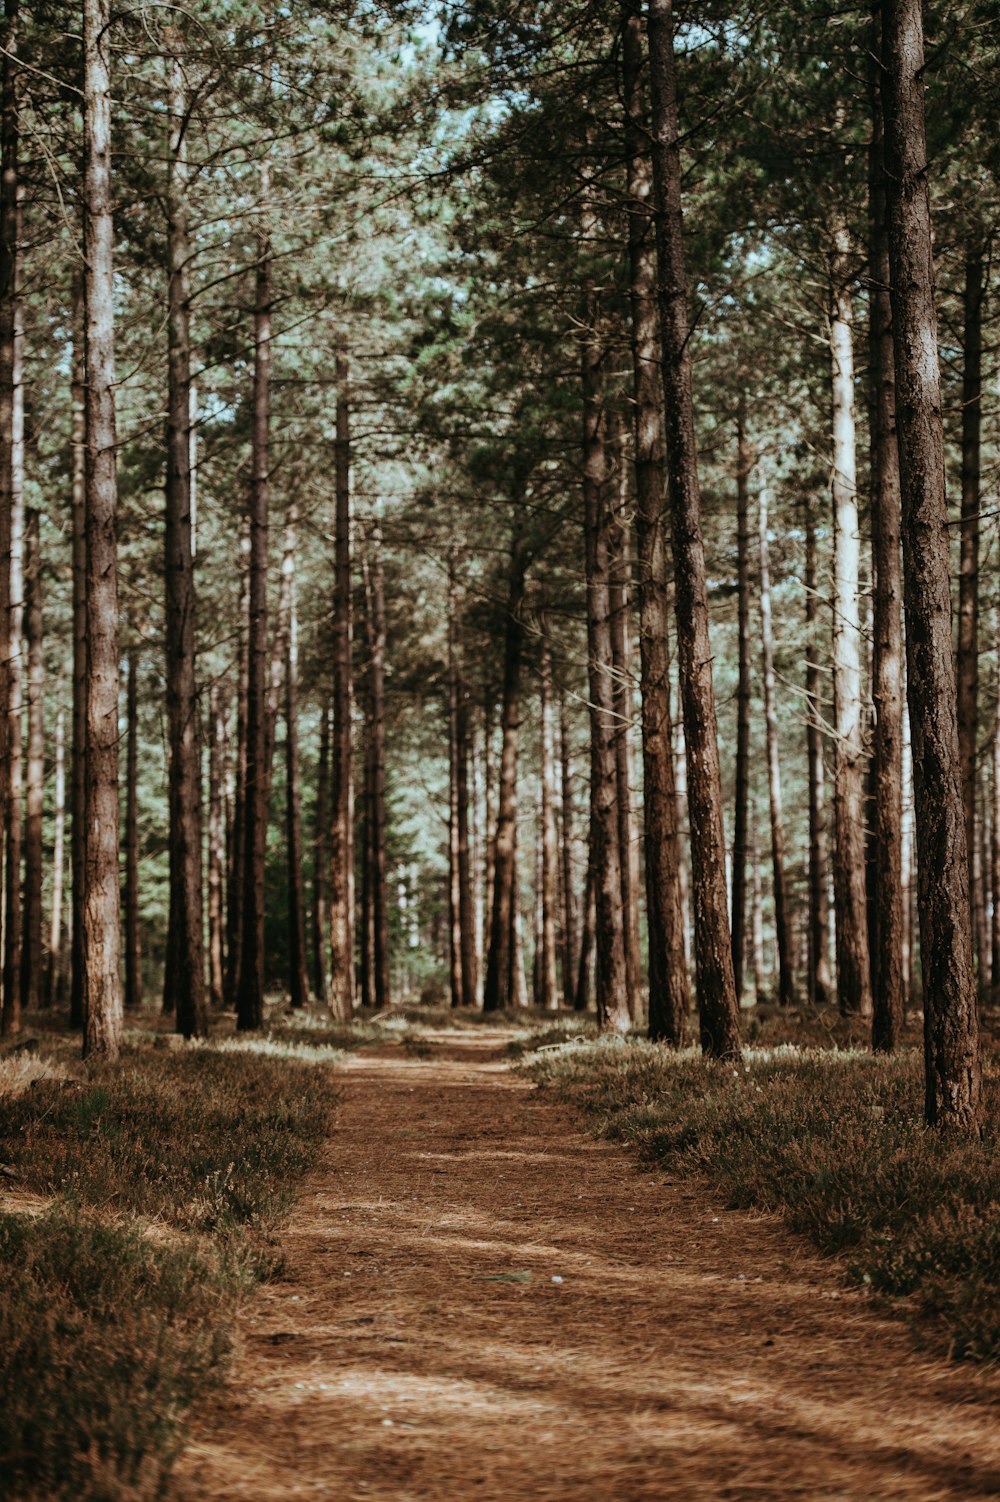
[(417, 1345)]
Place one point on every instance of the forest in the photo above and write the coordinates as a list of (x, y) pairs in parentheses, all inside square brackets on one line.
[(499, 569)]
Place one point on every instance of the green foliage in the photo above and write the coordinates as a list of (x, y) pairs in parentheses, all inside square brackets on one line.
[(167, 1178), (833, 1142)]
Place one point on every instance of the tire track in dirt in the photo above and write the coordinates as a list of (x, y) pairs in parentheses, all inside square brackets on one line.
[(417, 1345)]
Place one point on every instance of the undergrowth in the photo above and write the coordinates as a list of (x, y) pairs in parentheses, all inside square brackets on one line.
[(832, 1141), (164, 1177)]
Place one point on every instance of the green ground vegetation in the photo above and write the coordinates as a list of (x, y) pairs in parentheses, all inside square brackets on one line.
[(139, 1204)]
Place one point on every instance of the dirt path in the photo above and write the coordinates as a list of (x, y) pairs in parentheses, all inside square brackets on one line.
[(481, 1302)]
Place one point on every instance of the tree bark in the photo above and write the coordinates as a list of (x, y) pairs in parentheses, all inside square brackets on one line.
[(744, 463), (548, 989), (102, 894), (250, 992), (78, 765), (953, 1096), (56, 974), (380, 895), (782, 926), (133, 946), (454, 881), (887, 657), (298, 982), (569, 940), (820, 988), (218, 756), (619, 604), (498, 989), (184, 976), (718, 1009), (968, 577), (238, 828), (995, 825), (341, 994), (12, 511), (32, 975), (321, 858), (853, 970)]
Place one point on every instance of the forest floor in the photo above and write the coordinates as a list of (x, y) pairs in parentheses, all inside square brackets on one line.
[(478, 1300)]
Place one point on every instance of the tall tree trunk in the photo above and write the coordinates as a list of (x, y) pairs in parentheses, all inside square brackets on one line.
[(782, 926), (853, 971), (498, 989), (718, 1009), (581, 998), (548, 989), (321, 858), (102, 895), (995, 824), (12, 506), (365, 825), (610, 971), (341, 995), (56, 973), (466, 863), (218, 756), (298, 982), (619, 604), (569, 941), (78, 757), (951, 1026), (968, 578), (32, 975), (887, 654), (9, 394), (757, 916), (454, 880), (184, 983), (380, 895), (250, 992), (238, 829), (820, 988), (668, 996), (744, 463), (133, 946)]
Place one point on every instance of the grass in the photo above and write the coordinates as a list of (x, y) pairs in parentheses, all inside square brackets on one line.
[(833, 1141), (145, 1204)]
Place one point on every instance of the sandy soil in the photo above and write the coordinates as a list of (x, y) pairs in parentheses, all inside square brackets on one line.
[(481, 1302)]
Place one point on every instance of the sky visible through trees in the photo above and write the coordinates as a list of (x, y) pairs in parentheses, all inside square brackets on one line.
[(498, 505)]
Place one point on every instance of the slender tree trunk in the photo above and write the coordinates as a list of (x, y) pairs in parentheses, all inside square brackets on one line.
[(321, 858), (466, 895), (365, 824), (238, 830), (133, 946), (718, 1008), (218, 756), (968, 578), (819, 917), (12, 505), (548, 990), (498, 990), (951, 1026), (380, 894), (341, 779), (619, 605), (887, 656), (56, 973), (454, 880), (782, 925), (32, 975), (184, 987), (981, 889), (668, 996), (589, 916), (569, 944), (102, 894), (298, 982), (744, 463), (250, 992), (995, 824), (9, 388), (78, 762), (853, 970), (757, 916)]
